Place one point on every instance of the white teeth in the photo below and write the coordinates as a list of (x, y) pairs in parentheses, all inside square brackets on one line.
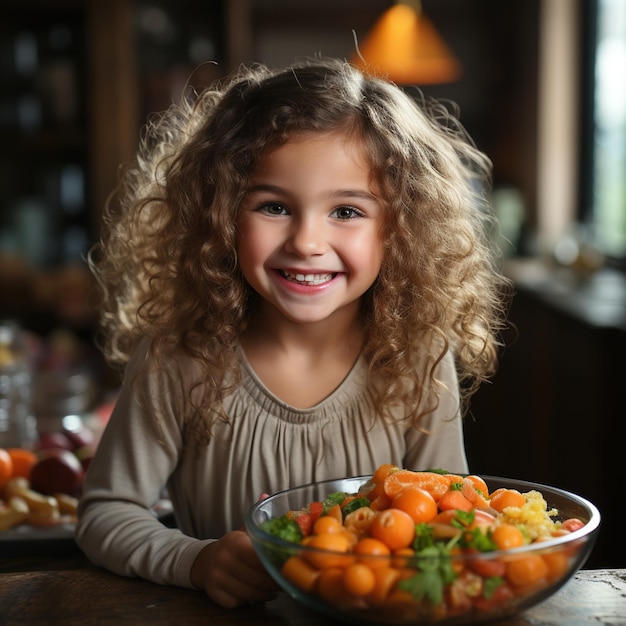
[(311, 279)]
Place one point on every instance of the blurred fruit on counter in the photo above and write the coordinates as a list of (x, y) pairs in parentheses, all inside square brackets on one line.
[(45, 441), (57, 471)]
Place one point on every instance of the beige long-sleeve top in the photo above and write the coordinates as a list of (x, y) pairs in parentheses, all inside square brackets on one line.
[(269, 446)]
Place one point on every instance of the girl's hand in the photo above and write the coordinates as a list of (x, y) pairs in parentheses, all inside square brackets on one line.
[(230, 572)]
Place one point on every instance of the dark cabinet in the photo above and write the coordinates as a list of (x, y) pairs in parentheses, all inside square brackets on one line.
[(68, 118), (78, 79), (556, 410), (43, 114)]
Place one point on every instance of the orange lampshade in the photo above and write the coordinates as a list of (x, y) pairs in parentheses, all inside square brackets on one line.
[(404, 46)]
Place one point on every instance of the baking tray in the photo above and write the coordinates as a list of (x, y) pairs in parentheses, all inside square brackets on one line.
[(24, 540)]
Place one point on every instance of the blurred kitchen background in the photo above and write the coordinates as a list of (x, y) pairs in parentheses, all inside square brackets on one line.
[(541, 87)]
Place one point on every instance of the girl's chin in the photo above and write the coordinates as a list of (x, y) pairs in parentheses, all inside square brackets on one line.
[(311, 315)]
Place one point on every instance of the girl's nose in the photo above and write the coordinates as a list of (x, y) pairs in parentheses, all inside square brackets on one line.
[(307, 238)]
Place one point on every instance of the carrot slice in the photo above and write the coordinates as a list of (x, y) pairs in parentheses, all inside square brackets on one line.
[(335, 511), (454, 501)]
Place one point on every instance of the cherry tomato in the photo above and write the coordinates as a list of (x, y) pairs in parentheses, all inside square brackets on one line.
[(385, 579), (358, 579), (301, 573), (526, 571), (327, 525), (507, 536), (572, 524), (417, 502), (372, 552), (394, 528), (336, 545), (558, 563), (503, 498), (330, 587)]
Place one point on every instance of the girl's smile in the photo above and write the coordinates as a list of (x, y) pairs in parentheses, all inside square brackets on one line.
[(309, 279), (309, 229)]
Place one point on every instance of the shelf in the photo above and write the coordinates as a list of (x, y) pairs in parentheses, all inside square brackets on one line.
[(597, 299)]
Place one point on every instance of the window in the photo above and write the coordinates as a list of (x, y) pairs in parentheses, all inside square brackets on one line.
[(603, 204)]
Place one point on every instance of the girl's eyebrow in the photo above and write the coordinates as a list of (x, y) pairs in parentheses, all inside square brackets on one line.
[(338, 193), (354, 193), (265, 187)]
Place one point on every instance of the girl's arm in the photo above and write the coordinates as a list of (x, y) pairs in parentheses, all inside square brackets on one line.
[(140, 448), (136, 455)]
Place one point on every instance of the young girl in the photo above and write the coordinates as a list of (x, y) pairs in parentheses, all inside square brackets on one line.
[(298, 281)]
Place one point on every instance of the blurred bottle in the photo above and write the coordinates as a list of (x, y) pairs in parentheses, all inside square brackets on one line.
[(17, 423)]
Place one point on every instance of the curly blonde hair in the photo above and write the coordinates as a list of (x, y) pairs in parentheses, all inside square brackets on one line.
[(167, 261)]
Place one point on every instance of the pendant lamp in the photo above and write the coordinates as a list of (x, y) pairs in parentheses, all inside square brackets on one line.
[(405, 47)]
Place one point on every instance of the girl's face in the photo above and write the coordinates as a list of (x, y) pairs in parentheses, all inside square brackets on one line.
[(309, 231)]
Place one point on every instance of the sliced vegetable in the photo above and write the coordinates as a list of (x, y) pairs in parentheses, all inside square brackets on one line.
[(355, 504)]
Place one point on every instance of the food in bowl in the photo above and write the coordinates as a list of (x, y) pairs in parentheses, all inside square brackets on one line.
[(403, 547)]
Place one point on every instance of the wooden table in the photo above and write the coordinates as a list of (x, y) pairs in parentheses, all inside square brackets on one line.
[(70, 591)]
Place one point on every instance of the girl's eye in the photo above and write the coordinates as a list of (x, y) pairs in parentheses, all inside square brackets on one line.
[(346, 213), (273, 208)]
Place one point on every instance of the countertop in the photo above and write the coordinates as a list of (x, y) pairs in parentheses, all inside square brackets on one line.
[(69, 590)]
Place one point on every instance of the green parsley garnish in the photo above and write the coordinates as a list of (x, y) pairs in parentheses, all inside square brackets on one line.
[(355, 504), (333, 498), (432, 559), (490, 586), (283, 528), (435, 572)]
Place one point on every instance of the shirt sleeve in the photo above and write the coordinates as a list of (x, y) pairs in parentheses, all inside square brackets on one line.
[(439, 444), (138, 451)]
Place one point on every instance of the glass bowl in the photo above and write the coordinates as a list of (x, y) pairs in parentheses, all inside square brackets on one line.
[(457, 587)]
